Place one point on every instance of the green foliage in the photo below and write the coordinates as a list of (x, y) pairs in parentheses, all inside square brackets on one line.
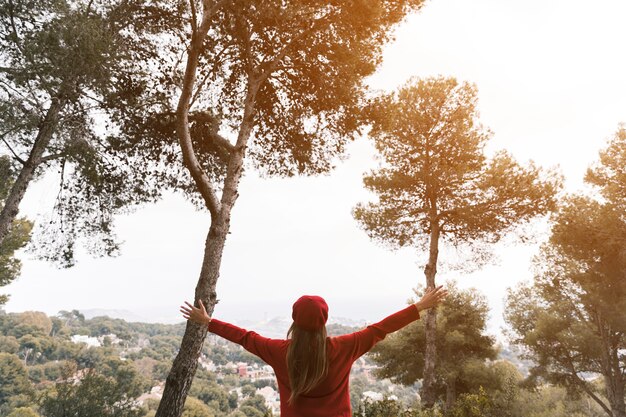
[(10, 266), (461, 344), (58, 57), (250, 411), (248, 390), (23, 412), (552, 401), (571, 319), (435, 174), (579, 276), (196, 408), (608, 174), (88, 393), (19, 235), (311, 59), (9, 344), (213, 394), (256, 402), (473, 405), (385, 408), (15, 388)]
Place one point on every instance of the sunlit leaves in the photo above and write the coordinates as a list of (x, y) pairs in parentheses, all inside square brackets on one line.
[(571, 319), (312, 57), (610, 172)]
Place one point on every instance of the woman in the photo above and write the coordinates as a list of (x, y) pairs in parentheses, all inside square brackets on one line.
[(312, 369)]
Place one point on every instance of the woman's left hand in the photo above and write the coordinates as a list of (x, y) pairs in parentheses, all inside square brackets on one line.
[(198, 315)]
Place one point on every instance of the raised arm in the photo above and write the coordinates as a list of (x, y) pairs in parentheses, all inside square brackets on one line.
[(253, 342), (365, 339)]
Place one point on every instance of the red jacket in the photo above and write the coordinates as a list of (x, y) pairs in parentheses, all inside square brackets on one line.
[(331, 398)]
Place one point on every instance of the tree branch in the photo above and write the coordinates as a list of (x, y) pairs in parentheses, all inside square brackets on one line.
[(222, 141), (205, 187), (88, 8), (51, 157), (16, 36), (206, 77), (583, 384), (247, 38), (35, 104), (15, 155), (194, 21)]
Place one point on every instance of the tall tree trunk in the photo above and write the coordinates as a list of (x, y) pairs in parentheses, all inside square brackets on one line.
[(430, 357), (46, 130), (185, 364), (184, 367)]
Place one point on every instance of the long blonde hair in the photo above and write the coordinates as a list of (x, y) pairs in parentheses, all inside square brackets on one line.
[(307, 361)]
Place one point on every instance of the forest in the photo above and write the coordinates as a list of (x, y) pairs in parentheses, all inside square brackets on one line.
[(124, 102)]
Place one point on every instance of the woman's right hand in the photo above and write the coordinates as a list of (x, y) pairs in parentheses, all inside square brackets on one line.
[(432, 298)]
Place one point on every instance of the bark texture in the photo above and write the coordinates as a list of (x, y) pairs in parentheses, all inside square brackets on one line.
[(430, 322)]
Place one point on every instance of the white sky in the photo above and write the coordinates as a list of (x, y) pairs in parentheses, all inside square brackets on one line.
[(552, 86)]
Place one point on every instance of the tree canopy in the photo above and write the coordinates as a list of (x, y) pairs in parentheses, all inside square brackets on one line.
[(435, 169), (57, 64), (572, 317)]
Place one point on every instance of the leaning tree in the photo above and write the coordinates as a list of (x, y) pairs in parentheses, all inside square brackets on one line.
[(437, 185), (57, 58), (228, 85)]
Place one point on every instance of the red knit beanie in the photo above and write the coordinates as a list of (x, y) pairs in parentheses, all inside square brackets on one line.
[(310, 312)]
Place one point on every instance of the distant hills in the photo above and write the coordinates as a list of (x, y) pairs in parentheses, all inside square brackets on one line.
[(275, 327)]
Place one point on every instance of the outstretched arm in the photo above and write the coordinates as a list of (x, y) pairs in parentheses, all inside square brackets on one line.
[(365, 339), (251, 341), (198, 315)]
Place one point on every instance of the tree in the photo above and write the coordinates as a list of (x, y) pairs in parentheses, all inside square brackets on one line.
[(56, 64), (18, 236), (36, 319), (15, 388), (437, 186), (460, 340), (572, 318), (553, 401), (248, 390), (256, 402), (212, 393), (269, 85), (87, 393), (196, 408)]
